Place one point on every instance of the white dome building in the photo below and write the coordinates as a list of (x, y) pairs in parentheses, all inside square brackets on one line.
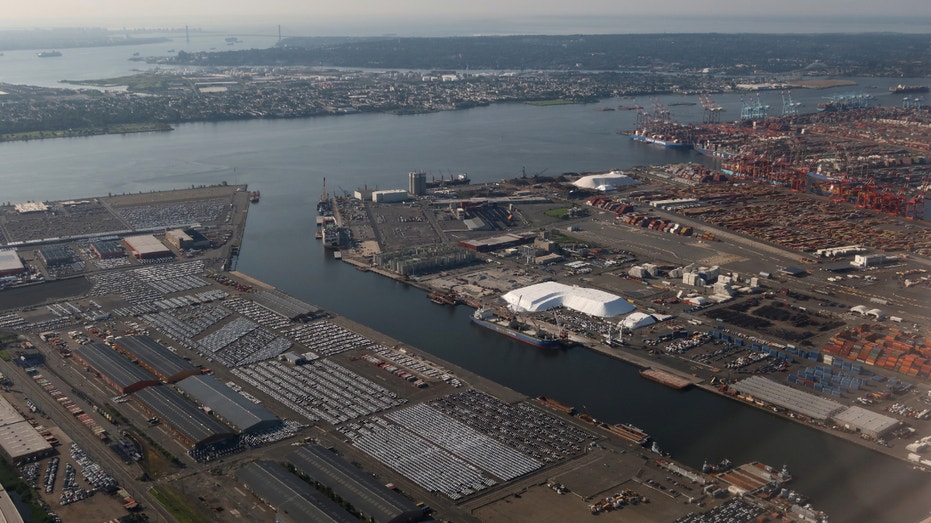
[(604, 182), (548, 295)]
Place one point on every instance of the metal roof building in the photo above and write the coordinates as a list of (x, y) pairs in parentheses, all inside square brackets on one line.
[(10, 263), (231, 406), (107, 249), (116, 369), (156, 358), (18, 439), (146, 246), (290, 496), (769, 391), (348, 482), (866, 422), (190, 423)]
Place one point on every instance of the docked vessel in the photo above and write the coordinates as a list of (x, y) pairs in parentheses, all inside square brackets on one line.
[(254, 196), (641, 135), (908, 89), (631, 433), (443, 298), (514, 329), (48, 54)]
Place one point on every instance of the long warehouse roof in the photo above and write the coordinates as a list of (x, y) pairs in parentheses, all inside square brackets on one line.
[(193, 423), (289, 495), (350, 483), (168, 365), (114, 366), (230, 405)]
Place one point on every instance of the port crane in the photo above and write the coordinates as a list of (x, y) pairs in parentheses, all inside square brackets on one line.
[(712, 111), (609, 340)]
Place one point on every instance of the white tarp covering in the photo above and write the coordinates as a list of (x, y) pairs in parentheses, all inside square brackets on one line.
[(638, 320), (547, 295), (612, 179)]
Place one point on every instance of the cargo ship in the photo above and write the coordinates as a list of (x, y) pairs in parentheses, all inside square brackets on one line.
[(513, 329), (641, 135), (48, 54), (908, 89)]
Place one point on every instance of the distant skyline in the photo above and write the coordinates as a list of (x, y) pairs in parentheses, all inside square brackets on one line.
[(429, 17)]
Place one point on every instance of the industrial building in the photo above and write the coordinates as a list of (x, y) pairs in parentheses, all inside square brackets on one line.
[(155, 358), (19, 440), (10, 264), (287, 306), (548, 295), (107, 249), (866, 422), (351, 484), (498, 242), (417, 183), (191, 424), (186, 239), (146, 246), (768, 391), (229, 405), (389, 196), (293, 499), (117, 370), (56, 255)]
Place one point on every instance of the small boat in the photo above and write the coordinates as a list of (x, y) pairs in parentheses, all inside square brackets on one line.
[(254, 196)]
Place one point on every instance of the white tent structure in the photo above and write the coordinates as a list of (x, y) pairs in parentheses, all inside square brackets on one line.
[(604, 181), (547, 295), (637, 320)]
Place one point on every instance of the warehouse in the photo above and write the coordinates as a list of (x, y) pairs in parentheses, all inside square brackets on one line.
[(868, 423), (10, 264), (351, 484), (191, 424), (18, 439), (121, 373), (498, 242), (768, 391), (155, 358), (146, 246), (293, 499), (229, 405), (106, 249), (548, 295), (187, 239), (55, 255)]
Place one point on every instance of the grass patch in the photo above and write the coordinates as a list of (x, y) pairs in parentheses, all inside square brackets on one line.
[(557, 213), (177, 504), (90, 131)]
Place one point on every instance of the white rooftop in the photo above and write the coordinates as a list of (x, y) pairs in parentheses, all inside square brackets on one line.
[(548, 295), (612, 179)]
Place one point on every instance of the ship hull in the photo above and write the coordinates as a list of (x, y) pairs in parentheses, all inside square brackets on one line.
[(517, 335), (657, 141)]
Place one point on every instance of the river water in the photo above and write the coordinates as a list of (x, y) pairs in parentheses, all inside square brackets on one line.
[(288, 159)]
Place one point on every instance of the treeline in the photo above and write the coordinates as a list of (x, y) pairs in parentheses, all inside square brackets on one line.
[(850, 54)]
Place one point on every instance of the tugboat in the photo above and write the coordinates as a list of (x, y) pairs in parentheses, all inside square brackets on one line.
[(254, 196)]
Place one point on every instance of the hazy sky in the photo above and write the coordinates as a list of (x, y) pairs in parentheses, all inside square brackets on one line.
[(148, 13)]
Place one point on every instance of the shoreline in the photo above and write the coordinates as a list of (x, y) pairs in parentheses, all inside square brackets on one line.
[(646, 362)]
